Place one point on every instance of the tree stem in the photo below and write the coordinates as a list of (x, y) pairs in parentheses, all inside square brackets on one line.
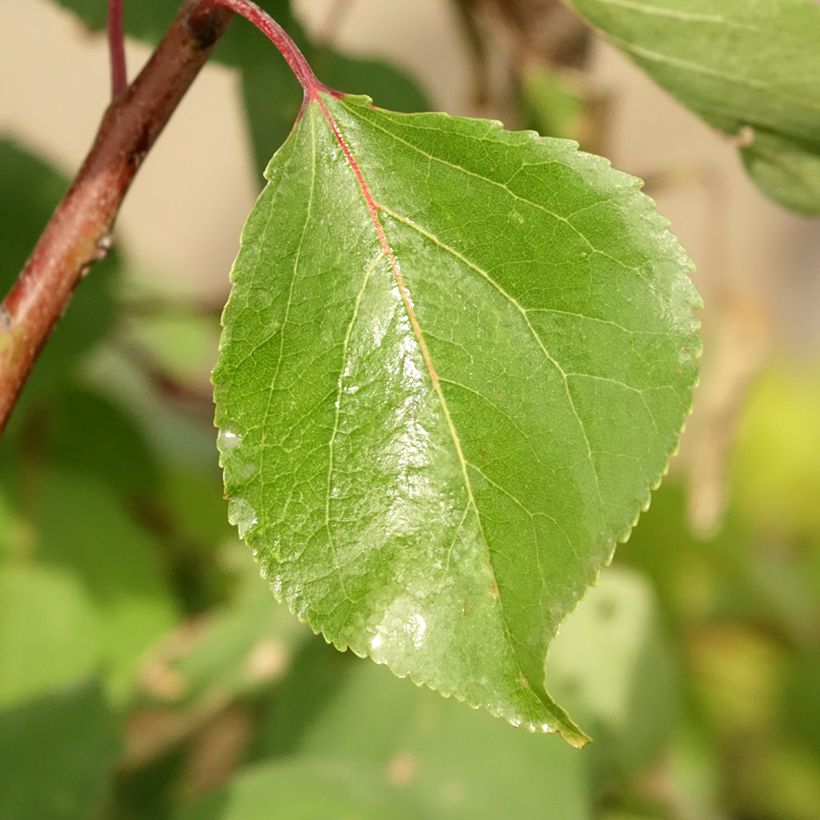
[(78, 233), (116, 48)]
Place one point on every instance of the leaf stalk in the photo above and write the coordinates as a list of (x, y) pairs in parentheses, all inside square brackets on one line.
[(277, 35), (116, 48)]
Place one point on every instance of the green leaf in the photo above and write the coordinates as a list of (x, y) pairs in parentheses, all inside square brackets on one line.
[(87, 593), (442, 402), (8, 525), (56, 754), (302, 789), (147, 20), (739, 66), (83, 529), (90, 434), (242, 647), (37, 190), (456, 764), (49, 636), (612, 665)]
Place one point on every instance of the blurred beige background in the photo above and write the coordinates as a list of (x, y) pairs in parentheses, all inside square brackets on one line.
[(182, 218)]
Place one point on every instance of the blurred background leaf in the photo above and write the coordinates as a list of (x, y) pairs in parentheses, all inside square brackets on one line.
[(48, 633), (56, 755), (303, 789), (748, 70), (454, 762)]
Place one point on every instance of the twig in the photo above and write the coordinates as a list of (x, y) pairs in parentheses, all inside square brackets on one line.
[(78, 233), (116, 48)]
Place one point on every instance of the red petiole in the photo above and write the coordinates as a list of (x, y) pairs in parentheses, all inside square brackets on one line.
[(277, 35), (116, 48)]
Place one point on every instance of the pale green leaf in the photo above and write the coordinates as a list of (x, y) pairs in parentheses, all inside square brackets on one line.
[(749, 69), (438, 415), (456, 764), (241, 647), (554, 105), (49, 636), (613, 668), (304, 789)]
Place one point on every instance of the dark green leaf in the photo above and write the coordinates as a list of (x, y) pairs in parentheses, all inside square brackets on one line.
[(799, 703), (37, 190), (56, 754), (146, 20), (90, 434), (749, 69), (433, 438)]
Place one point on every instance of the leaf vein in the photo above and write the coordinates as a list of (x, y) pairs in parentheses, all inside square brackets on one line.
[(522, 311)]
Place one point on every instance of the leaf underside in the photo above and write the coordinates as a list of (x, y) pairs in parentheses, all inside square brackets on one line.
[(748, 69), (455, 361)]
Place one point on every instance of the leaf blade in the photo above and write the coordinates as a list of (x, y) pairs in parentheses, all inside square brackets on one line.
[(394, 477)]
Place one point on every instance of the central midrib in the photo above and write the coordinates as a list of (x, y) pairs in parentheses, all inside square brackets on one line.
[(373, 210)]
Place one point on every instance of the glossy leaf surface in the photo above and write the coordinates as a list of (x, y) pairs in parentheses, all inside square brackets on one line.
[(455, 361), (749, 69)]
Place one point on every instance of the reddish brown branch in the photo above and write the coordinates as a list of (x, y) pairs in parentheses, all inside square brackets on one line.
[(78, 232)]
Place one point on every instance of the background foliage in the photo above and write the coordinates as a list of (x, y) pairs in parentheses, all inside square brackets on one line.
[(145, 671)]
